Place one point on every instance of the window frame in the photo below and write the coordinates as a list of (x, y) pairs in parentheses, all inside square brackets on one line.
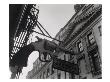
[(100, 30), (81, 48), (93, 38)]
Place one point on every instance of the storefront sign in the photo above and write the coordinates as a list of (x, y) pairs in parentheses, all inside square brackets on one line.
[(65, 66)]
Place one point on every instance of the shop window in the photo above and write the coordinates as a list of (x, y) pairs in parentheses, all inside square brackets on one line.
[(80, 46), (91, 38)]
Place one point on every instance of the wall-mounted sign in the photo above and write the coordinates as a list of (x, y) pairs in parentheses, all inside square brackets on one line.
[(65, 66)]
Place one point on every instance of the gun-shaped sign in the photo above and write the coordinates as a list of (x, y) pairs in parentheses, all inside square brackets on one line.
[(47, 50)]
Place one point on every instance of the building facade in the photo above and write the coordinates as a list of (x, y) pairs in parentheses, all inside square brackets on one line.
[(82, 34)]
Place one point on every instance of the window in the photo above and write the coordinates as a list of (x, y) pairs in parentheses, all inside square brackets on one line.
[(43, 75), (48, 72), (91, 38), (80, 46), (59, 75), (65, 74), (100, 30), (70, 55), (40, 65), (40, 76), (53, 70), (70, 76), (95, 61), (64, 57)]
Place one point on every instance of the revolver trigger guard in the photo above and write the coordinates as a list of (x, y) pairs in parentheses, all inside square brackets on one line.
[(44, 59)]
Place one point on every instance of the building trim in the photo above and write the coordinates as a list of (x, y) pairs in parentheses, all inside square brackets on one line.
[(84, 31)]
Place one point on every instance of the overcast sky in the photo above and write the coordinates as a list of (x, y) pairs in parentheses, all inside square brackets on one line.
[(53, 17)]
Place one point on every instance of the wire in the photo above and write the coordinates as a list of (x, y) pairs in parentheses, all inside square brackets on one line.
[(43, 28), (46, 36), (40, 29)]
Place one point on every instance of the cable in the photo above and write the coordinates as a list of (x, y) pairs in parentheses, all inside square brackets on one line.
[(43, 28), (46, 36)]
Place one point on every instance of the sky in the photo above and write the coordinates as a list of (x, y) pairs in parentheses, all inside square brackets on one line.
[(53, 17)]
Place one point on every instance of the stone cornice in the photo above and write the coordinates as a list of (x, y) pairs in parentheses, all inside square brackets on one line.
[(90, 20)]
